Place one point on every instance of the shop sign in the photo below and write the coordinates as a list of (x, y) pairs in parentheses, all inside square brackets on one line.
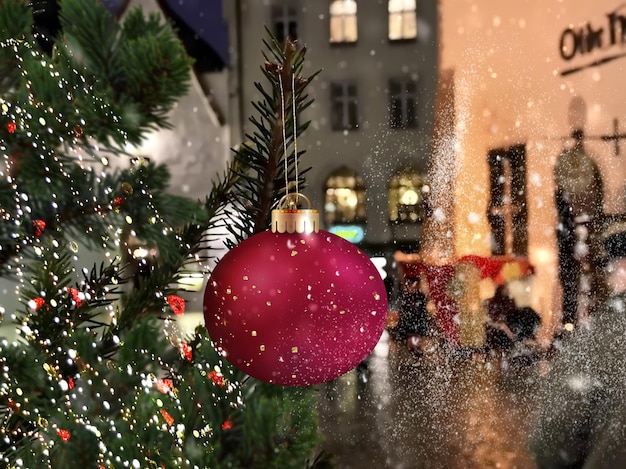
[(600, 42)]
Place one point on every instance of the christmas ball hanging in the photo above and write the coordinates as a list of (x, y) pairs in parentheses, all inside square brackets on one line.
[(295, 305)]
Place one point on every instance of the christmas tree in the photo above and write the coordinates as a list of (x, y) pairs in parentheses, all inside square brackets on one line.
[(99, 375)]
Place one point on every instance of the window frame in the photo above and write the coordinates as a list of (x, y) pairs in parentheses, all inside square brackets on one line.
[(403, 102), (286, 17), (343, 24), (497, 159), (403, 18), (344, 106)]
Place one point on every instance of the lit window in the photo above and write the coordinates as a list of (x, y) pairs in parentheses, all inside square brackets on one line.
[(343, 24), (406, 197), (344, 106), (402, 103), (402, 20), (285, 22), (345, 198)]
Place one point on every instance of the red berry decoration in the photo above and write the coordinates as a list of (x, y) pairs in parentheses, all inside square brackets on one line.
[(167, 417), (11, 127), (36, 303), (177, 304), (186, 351), (216, 378), (75, 294), (118, 201), (295, 306), (39, 226), (164, 385)]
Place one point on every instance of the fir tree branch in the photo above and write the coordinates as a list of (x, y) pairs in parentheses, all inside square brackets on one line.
[(282, 76)]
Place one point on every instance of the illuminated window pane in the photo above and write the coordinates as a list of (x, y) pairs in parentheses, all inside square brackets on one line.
[(343, 21), (406, 197), (344, 198), (402, 19)]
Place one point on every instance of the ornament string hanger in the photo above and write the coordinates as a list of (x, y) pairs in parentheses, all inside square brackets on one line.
[(288, 217), (292, 201)]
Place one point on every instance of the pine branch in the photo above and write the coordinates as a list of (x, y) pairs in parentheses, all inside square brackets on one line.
[(263, 157), (95, 333)]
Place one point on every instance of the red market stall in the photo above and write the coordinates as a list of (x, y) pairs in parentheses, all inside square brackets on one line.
[(453, 288)]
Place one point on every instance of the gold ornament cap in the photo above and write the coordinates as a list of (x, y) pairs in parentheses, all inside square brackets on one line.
[(288, 218)]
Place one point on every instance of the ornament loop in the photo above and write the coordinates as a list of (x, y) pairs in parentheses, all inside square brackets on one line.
[(288, 218), (290, 201)]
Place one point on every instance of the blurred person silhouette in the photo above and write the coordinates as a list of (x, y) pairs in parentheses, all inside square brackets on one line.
[(498, 335), (524, 322), (580, 420), (413, 318), (500, 305)]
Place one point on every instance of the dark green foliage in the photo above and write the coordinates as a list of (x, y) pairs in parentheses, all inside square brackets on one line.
[(99, 375), (93, 92)]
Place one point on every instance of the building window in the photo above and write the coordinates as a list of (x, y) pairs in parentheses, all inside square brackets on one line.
[(284, 22), (344, 106), (402, 20), (402, 103), (343, 24), (407, 192), (344, 198), (507, 212)]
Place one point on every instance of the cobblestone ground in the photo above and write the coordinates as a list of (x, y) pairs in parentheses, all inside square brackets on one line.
[(413, 410)]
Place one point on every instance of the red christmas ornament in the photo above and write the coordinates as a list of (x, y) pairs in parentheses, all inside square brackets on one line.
[(295, 306), (11, 127)]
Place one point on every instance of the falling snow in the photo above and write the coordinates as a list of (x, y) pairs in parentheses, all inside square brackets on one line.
[(418, 400)]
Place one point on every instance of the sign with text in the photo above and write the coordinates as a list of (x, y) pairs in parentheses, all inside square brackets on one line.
[(594, 43)]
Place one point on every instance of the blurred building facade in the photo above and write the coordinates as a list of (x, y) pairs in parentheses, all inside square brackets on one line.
[(466, 105), (372, 119)]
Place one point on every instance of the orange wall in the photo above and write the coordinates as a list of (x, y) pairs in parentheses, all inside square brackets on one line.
[(509, 89)]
